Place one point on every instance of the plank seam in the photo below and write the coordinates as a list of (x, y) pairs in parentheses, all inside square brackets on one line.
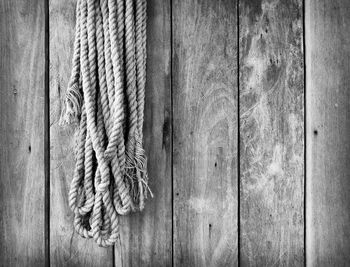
[(172, 132), (47, 134), (238, 144), (113, 253), (305, 135)]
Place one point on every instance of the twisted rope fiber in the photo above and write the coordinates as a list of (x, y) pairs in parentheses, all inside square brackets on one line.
[(105, 97)]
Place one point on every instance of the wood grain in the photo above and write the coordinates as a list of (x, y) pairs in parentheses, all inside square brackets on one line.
[(146, 238), (22, 50), (66, 247), (191, 136), (271, 133), (205, 133), (327, 25)]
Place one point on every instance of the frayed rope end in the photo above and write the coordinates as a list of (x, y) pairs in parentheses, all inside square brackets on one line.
[(72, 107), (136, 171)]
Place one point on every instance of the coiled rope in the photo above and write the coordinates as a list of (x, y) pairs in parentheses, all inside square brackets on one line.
[(106, 96)]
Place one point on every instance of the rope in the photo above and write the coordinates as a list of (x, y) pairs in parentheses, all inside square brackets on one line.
[(105, 97)]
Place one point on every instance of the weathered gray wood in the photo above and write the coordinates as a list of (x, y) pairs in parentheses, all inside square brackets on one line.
[(146, 238), (22, 52), (205, 133), (66, 247), (271, 133), (327, 25)]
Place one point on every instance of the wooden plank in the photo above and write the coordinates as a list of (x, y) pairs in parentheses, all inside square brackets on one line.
[(66, 247), (146, 238), (22, 179), (327, 25), (271, 133), (205, 132)]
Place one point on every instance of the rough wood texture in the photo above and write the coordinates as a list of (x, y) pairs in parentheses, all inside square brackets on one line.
[(205, 133), (66, 247), (271, 133), (192, 156), (327, 25), (146, 238), (22, 133)]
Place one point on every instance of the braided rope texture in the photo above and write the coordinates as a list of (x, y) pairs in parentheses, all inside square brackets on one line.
[(105, 97)]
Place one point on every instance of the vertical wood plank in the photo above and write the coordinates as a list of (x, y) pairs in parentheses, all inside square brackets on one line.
[(327, 25), (66, 247), (146, 238), (205, 132), (271, 133), (22, 51)]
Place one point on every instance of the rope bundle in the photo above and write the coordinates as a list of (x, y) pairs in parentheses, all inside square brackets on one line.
[(105, 96)]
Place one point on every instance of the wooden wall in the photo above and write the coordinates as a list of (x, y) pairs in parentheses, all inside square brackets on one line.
[(271, 112), (22, 132), (247, 136), (327, 133), (204, 89)]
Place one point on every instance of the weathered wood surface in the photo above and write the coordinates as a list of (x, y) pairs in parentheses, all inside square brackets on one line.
[(327, 25), (22, 93), (66, 247), (271, 133), (192, 156), (146, 238), (205, 133)]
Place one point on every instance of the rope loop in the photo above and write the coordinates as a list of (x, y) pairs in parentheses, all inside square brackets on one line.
[(106, 96)]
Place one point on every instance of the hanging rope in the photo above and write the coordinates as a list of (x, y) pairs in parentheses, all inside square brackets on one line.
[(105, 96)]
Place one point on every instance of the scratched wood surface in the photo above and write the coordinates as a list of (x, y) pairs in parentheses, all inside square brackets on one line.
[(327, 25), (146, 238), (271, 133), (22, 66), (199, 66), (66, 247), (205, 133)]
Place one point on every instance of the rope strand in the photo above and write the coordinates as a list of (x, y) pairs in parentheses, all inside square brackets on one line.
[(105, 95)]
